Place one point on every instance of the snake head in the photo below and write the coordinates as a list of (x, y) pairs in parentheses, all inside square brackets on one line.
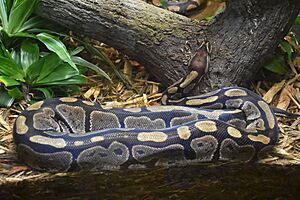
[(200, 60)]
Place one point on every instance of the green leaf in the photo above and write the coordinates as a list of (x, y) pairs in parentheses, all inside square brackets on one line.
[(288, 49), (52, 62), (8, 5), (3, 14), (46, 92), (15, 55), (11, 69), (23, 35), (29, 54), (164, 4), (56, 46), (3, 51), (20, 12), (62, 72), (297, 21), (33, 22), (278, 65), (75, 80), (102, 57), (76, 51), (15, 92), (43, 67), (6, 100), (4, 37), (81, 62), (7, 81), (43, 30)]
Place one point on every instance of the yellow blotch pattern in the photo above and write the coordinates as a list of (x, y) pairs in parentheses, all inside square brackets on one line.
[(235, 93), (206, 126), (194, 102), (68, 99), (234, 132), (152, 137), (184, 132), (259, 138), (21, 127)]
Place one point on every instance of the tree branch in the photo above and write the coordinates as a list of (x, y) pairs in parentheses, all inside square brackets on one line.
[(242, 38)]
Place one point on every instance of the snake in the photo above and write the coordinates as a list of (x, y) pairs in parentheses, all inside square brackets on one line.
[(227, 124), (65, 134), (187, 7)]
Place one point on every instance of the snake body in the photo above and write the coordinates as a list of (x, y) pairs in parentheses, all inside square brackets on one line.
[(231, 123), (187, 8)]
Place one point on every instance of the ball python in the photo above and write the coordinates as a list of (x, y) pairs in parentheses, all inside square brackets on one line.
[(231, 123), (187, 7)]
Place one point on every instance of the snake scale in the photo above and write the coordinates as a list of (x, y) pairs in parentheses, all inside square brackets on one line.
[(231, 123)]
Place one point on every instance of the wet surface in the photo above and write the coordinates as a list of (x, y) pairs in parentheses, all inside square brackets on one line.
[(249, 181)]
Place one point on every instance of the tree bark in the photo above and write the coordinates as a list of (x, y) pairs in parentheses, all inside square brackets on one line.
[(242, 38)]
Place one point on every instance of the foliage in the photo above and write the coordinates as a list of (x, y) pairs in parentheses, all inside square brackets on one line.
[(282, 61), (297, 21), (163, 4), (32, 58)]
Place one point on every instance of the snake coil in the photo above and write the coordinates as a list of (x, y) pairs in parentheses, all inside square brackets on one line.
[(231, 123)]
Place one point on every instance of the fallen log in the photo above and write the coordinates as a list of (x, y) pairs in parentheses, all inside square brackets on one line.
[(242, 38)]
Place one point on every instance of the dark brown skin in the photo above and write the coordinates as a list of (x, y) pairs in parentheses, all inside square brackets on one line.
[(199, 63), (200, 60)]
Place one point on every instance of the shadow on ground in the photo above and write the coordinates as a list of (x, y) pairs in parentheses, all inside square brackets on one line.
[(249, 181)]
